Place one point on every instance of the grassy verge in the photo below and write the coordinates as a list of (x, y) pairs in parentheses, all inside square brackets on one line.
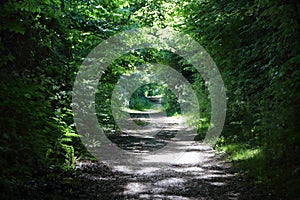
[(282, 179)]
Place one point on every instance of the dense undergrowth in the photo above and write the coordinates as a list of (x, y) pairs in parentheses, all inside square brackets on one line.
[(256, 47)]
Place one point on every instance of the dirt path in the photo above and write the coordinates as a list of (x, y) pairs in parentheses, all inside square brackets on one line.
[(168, 168)]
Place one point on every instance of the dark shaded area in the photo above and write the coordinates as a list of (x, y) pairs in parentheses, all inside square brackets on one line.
[(133, 143), (96, 180), (144, 142)]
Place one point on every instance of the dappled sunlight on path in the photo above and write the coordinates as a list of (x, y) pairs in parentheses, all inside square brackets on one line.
[(167, 168)]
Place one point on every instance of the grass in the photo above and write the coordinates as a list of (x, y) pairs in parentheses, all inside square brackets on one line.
[(252, 162), (239, 152), (246, 159)]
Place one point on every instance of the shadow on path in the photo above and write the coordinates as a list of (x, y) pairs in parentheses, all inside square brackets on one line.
[(196, 172), (183, 170)]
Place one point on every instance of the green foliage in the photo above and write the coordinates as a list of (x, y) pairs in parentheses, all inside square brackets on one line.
[(256, 47), (170, 103), (24, 110), (36, 79), (62, 154), (139, 101)]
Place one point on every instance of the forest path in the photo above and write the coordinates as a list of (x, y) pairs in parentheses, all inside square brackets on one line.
[(179, 170), (183, 169)]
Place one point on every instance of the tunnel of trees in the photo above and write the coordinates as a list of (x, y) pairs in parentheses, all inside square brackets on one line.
[(254, 43)]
